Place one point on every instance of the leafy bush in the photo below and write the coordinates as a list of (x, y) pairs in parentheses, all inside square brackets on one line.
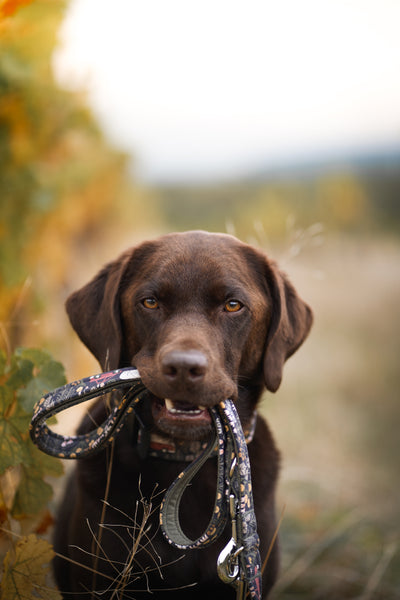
[(24, 491)]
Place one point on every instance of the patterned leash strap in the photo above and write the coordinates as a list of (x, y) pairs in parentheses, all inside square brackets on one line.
[(239, 562), (79, 391), (169, 510)]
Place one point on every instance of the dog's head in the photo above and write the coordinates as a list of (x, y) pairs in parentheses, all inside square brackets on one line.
[(202, 316)]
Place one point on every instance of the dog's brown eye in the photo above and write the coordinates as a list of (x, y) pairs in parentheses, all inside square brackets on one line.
[(233, 305), (150, 303)]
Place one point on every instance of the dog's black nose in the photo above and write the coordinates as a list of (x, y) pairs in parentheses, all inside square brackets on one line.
[(184, 366)]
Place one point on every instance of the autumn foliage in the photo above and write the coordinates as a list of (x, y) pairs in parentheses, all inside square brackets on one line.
[(64, 190), (24, 491), (9, 7)]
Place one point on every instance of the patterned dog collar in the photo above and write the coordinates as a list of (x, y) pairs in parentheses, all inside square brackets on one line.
[(168, 449)]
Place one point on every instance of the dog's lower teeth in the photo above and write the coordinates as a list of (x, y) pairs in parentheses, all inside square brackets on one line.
[(171, 408)]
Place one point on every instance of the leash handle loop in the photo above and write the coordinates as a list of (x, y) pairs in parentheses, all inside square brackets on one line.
[(81, 391), (169, 510)]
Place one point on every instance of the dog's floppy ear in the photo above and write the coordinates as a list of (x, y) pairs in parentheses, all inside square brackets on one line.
[(290, 324), (94, 313)]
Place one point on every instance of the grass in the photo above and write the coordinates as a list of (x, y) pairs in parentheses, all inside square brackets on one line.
[(336, 421)]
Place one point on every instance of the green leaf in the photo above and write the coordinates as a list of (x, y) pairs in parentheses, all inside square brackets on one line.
[(14, 426), (49, 378), (30, 373), (48, 374), (35, 355), (32, 494), (21, 372)]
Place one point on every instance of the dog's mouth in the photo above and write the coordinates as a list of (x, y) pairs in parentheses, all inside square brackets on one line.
[(180, 419), (172, 409)]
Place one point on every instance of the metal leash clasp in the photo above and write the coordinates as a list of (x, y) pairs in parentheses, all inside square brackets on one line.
[(228, 566)]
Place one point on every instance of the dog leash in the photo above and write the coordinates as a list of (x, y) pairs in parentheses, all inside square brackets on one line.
[(239, 563), (69, 395)]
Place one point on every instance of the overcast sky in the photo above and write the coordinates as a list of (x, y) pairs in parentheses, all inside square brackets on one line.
[(212, 88)]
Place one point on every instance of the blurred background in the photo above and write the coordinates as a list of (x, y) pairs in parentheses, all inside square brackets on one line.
[(278, 122)]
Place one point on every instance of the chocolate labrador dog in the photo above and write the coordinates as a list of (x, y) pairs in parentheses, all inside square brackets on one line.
[(203, 317)]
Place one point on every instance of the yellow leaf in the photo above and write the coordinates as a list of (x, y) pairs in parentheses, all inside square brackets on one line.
[(25, 571)]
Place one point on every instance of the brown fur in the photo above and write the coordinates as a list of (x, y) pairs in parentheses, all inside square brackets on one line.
[(190, 349)]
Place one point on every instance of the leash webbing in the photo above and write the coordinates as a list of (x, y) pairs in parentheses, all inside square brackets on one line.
[(239, 563), (240, 484), (169, 510), (234, 489), (79, 446)]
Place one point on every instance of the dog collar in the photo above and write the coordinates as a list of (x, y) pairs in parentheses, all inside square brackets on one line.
[(166, 448)]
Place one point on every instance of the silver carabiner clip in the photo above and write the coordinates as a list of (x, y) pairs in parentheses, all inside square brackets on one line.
[(229, 570), (228, 562)]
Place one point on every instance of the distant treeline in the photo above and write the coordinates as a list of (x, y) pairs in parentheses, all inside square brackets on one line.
[(356, 198)]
